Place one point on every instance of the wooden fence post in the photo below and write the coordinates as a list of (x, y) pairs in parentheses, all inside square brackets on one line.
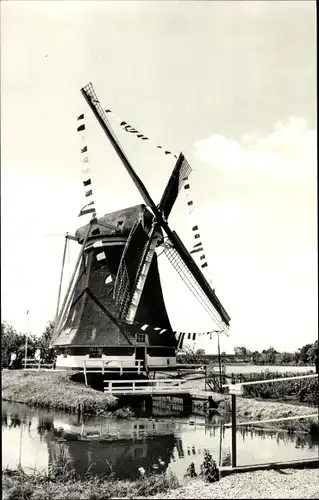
[(233, 431)]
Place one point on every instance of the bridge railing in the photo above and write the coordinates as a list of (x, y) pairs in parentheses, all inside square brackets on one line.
[(237, 390), (144, 386)]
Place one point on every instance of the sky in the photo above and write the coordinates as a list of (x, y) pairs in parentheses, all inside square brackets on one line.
[(232, 85)]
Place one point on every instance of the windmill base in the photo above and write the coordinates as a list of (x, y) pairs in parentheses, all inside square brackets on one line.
[(114, 363)]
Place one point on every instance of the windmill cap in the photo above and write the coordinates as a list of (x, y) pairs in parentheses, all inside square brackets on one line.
[(117, 223)]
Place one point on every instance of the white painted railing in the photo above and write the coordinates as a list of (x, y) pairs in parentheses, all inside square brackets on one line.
[(268, 381), (144, 386), (102, 365), (36, 364)]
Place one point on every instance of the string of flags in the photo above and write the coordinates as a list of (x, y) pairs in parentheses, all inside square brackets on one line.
[(87, 182), (180, 336), (89, 208), (198, 246), (131, 130)]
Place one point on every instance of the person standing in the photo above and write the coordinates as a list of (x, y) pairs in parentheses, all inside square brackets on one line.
[(13, 358)]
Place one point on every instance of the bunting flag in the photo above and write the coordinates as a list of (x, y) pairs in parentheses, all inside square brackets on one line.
[(198, 248), (180, 336), (131, 130), (89, 208), (198, 245)]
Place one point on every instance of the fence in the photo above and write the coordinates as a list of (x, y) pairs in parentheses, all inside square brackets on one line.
[(237, 390), (36, 364)]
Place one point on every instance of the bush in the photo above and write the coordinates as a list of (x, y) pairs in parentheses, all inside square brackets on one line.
[(125, 412), (208, 470), (190, 471)]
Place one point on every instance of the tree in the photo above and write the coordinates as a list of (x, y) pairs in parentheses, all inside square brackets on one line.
[(187, 355), (12, 341), (269, 355), (313, 352), (303, 353), (44, 342)]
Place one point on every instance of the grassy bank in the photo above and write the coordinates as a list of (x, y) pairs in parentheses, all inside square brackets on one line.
[(55, 485), (248, 409), (287, 483), (54, 390)]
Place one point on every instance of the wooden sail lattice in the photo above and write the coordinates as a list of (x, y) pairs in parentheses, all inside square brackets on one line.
[(128, 268), (175, 260)]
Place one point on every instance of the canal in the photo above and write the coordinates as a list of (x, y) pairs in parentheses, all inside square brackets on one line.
[(34, 439)]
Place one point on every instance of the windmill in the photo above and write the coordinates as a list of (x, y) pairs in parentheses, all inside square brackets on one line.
[(114, 308)]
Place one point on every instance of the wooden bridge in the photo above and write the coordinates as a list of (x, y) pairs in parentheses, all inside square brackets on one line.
[(155, 387)]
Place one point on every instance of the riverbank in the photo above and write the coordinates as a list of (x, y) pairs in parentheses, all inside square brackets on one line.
[(287, 483), (248, 408), (252, 410), (54, 390)]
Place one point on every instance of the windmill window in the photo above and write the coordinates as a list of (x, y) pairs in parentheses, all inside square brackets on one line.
[(141, 338), (120, 223), (138, 452), (95, 352), (66, 353)]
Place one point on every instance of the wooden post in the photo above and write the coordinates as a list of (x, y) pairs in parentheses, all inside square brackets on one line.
[(84, 371), (205, 376), (233, 431)]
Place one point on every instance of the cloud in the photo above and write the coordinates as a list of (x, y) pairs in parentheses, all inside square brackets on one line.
[(288, 153)]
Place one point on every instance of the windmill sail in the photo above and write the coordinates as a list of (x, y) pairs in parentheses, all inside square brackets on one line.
[(179, 175), (160, 212)]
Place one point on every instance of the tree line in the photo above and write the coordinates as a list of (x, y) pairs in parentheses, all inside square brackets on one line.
[(305, 355), (14, 342)]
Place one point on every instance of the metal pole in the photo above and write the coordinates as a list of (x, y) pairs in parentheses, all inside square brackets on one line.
[(25, 350), (68, 298), (61, 277), (26, 342), (220, 365), (233, 431)]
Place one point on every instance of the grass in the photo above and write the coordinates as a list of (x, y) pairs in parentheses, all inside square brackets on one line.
[(58, 483), (248, 409), (54, 390)]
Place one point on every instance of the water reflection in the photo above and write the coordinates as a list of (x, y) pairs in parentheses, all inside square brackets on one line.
[(37, 438)]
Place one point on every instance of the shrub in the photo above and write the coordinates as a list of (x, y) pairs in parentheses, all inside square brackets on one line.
[(209, 471), (300, 390), (190, 471)]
